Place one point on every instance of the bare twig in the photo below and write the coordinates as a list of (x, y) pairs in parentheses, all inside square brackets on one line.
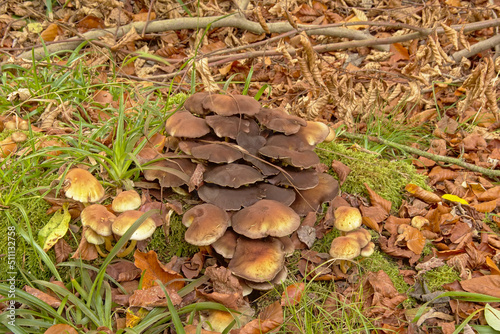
[(495, 174), (477, 48)]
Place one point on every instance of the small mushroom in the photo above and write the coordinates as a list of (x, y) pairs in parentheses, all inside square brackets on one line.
[(228, 198), (282, 195), (206, 223), (99, 220), (344, 248), (125, 220), (228, 126), (194, 103), (257, 260), (347, 218), (163, 171), (95, 239), (265, 218), (126, 200), (226, 244), (314, 132), (361, 235), (186, 125), (368, 249), (82, 186), (265, 286), (216, 153)]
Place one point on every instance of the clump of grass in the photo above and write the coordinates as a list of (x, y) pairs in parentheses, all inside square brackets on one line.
[(386, 178)]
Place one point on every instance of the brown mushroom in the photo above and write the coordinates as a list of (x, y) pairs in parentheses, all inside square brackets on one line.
[(229, 198), (302, 159), (265, 218), (186, 125), (301, 179), (226, 244), (310, 200), (206, 223), (216, 153), (126, 200), (282, 195), (194, 103), (228, 105), (125, 220), (257, 260), (347, 218), (278, 120), (232, 175), (228, 126), (82, 186), (165, 171), (344, 248), (313, 133)]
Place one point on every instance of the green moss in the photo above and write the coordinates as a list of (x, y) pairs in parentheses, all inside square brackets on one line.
[(174, 244), (379, 261), (386, 178), (439, 276)]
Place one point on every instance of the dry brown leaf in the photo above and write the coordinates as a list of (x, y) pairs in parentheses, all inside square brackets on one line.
[(123, 271), (370, 223), (292, 294), (383, 297), (422, 194), (488, 285), (490, 194), (85, 251), (492, 265), (143, 17), (192, 268), (341, 170), (154, 297), (60, 329), (62, 250), (192, 329), (377, 200), (52, 301), (269, 319), (415, 241), (486, 206), (89, 22), (154, 270), (50, 33), (438, 174), (377, 213)]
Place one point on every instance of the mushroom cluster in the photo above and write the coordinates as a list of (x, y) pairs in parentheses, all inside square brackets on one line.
[(354, 240), (258, 178), (99, 223)]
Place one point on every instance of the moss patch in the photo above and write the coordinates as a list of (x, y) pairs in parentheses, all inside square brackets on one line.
[(386, 178), (437, 277), (379, 261), (174, 244)]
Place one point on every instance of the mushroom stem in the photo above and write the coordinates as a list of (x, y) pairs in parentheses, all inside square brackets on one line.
[(99, 250), (107, 242), (344, 266), (127, 250)]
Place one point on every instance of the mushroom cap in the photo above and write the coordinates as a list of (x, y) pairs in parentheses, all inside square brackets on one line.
[(347, 218), (232, 175), (194, 103), (230, 198), (344, 248), (82, 186), (226, 244), (126, 200), (278, 120), (265, 286), (257, 260), (228, 126), (282, 195), (228, 105), (310, 200), (302, 180), (217, 153), (98, 218), (361, 235), (184, 124), (156, 171), (291, 142), (92, 237), (265, 218), (314, 132), (302, 159), (206, 223), (368, 249), (126, 219)]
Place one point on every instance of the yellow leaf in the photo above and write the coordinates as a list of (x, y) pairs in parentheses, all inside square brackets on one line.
[(454, 198), (55, 229)]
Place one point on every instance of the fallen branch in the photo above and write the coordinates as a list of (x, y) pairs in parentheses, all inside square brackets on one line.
[(477, 48), (494, 174), (234, 20)]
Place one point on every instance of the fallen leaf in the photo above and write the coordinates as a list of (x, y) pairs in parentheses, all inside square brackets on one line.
[(85, 251), (341, 170), (60, 329), (52, 301), (153, 297), (55, 229), (423, 194), (154, 270), (62, 250), (490, 194), (123, 271), (377, 200), (487, 285), (269, 319), (292, 294)]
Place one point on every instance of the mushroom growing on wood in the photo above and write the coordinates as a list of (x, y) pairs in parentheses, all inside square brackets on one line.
[(82, 186)]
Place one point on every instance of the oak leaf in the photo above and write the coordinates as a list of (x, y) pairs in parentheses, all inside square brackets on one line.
[(154, 270)]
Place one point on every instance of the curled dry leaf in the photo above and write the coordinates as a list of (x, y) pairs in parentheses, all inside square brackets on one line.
[(422, 194), (154, 270), (192, 268), (415, 241), (377, 200), (341, 170), (123, 271), (269, 319), (292, 294), (486, 206), (490, 194), (52, 301), (85, 251), (384, 298)]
